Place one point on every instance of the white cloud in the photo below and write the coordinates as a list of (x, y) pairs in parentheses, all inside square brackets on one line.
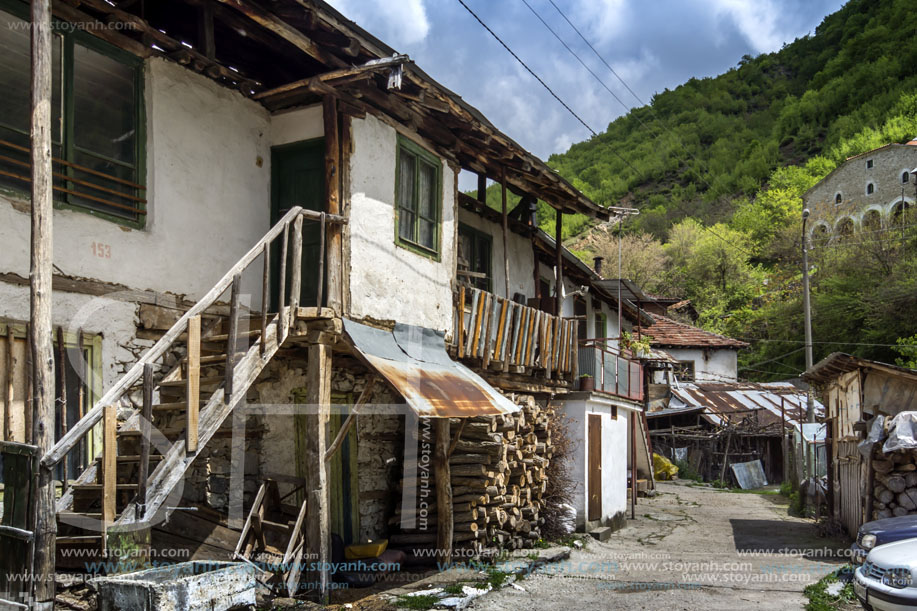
[(402, 22), (603, 18), (756, 21)]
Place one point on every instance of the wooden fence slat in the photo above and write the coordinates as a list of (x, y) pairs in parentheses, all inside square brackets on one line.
[(478, 321), (146, 415), (296, 270), (472, 322), (232, 338), (265, 295), (282, 327), (500, 342), (488, 335)]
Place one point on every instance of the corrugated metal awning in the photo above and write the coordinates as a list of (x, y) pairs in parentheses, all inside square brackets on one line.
[(414, 360)]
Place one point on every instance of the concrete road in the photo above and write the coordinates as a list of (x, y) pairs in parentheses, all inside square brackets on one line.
[(688, 548)]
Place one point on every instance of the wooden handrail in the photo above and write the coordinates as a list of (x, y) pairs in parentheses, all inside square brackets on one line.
[(81, 428)]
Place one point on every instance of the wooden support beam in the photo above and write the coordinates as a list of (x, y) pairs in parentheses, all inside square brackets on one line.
[(460, 335), (318, 530), (193, 382), (333, 77), (10, 379), (205, 30), (296, 268), (443, 477), (283, 325), (275, 24), (505, 235), (334, 254), (351, 418), (42, 246), (482, 188), (146, 416), (61, 396), (232, 337)]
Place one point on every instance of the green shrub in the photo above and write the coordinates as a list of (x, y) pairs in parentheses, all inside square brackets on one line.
[(686, 471)]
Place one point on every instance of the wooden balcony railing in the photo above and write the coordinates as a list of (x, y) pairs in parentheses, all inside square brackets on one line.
[(613, 373), (499, 333)]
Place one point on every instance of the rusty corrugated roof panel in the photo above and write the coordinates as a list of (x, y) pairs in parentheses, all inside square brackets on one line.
[(839, 363), (759, 404), (414, 360)]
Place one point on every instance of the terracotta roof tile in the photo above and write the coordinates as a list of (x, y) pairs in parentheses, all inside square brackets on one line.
[(670, 333)]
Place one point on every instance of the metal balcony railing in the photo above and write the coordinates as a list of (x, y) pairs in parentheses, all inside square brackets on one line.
[(612, 372)]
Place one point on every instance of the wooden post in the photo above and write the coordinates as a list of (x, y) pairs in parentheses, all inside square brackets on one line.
[(505, 234), (333, 193), (7, 410), (296, 269), (443, 478), (559, 263), (633, 465), (193, 381), (80, 397), (318, 529), (283, 329), (232, 339), (109, 470), (482, 188), (42, 340), (143, 469), (61, 398)]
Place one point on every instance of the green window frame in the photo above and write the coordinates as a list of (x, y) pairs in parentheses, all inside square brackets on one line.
[(600, 325), (418, 199), (100, 164), (476, 248)]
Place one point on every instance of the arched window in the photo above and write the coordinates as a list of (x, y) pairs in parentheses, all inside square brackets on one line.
[(872, 220), (838, 199), (905, 177), (870, 189), (845, 227)]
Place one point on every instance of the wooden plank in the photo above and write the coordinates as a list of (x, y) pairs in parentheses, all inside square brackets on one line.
[(501, 327), (472, 321), (461, 323), (109, 469), (294, 549), (193, 381), (533, 328), (488, 333), (558, 346), (505, 225), (8, 387), (478, 320), (521, 335), (242, 546), (351, 418), (146, 416), (232, 337), (558, 264)]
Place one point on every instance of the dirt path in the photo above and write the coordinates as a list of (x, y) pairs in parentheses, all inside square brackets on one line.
[(689, 548)]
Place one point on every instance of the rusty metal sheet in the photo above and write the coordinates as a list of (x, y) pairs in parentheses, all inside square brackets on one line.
[(414, 360)]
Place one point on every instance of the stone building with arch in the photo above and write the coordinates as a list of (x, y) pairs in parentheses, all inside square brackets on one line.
[(870, 191)]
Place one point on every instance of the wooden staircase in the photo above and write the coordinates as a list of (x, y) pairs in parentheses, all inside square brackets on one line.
[(148, 448)]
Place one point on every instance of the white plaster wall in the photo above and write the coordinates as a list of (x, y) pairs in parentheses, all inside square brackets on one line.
[(614, 454), (519, 252), (710, 365), (296, 125), (208, 200), (388, 282)]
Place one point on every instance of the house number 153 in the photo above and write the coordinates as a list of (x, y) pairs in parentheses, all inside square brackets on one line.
[(102, 251)]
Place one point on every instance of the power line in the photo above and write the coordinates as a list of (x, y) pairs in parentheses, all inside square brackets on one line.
[(543, 84), (776, 358)]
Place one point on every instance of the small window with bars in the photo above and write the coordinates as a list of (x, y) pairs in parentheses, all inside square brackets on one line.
[(96, 117), (684, 371), (418, 195)]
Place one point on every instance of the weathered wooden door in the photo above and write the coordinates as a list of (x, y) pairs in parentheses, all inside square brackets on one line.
[(18, 467), (298, 179), (594, 436)]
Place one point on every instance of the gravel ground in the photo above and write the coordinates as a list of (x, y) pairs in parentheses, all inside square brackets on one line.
[(690, 547)]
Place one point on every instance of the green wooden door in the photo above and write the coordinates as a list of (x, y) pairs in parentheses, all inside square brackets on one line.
[(298, 179)]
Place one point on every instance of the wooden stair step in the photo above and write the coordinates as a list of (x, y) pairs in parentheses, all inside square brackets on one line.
[(98, 486), (208, 381), (168, 407), (213, 359), (93, 515), (136, 458), (225, 336), (135, 433)]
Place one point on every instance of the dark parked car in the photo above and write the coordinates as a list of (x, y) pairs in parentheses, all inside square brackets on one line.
[(879, 532)]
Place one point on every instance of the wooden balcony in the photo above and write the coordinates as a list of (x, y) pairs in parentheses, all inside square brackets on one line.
[(497, 334), (613, 373)]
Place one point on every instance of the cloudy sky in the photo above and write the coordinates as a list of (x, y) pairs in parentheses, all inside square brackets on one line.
[(651, 44)]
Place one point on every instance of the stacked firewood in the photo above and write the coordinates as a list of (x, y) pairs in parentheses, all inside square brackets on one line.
[(498, 468), (895, 484)]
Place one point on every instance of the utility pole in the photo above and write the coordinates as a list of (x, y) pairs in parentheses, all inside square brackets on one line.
[(807, 306), (40, 302)]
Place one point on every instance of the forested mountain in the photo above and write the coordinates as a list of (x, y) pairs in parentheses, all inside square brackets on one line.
[(717, 168)]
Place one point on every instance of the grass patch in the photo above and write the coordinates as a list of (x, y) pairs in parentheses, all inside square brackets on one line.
[(821, 600), (496, 577), (542, 544), (533, 556), (424, 601), (686, 471), (570, 540), (454, 588)]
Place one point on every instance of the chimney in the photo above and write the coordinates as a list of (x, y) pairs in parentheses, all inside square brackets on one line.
[(597, 264)]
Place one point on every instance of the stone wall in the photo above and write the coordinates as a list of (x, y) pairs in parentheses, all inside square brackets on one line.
[(850, 181)]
